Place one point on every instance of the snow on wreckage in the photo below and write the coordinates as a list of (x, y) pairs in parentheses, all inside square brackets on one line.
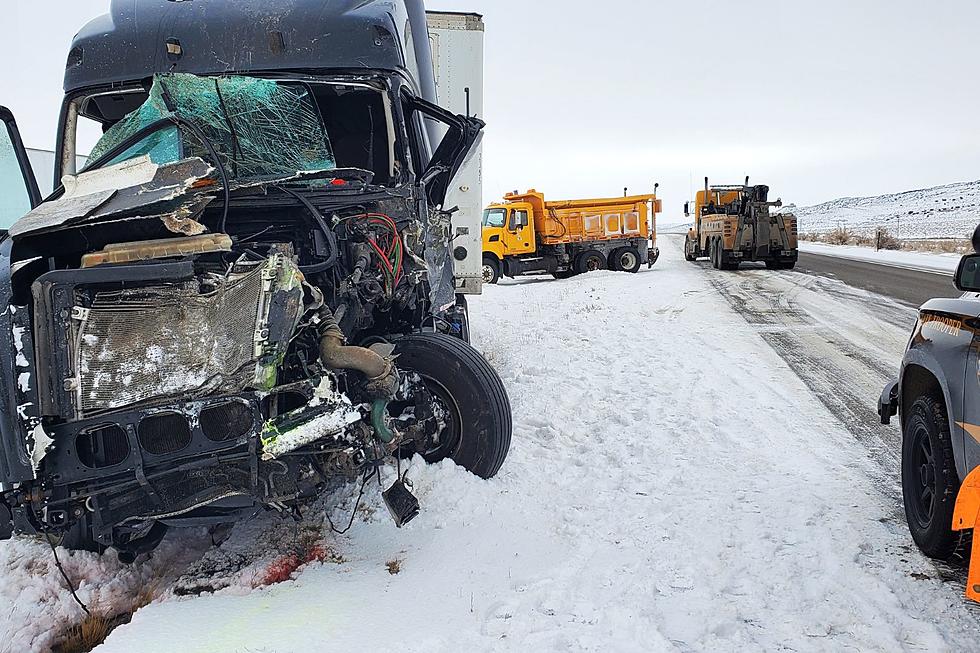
[(241, 299)]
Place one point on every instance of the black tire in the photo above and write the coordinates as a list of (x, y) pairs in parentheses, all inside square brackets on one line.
[(929, 480), (491, 270), (787, 265), (715, 255), (590, 261), (564, 274), (688, 248), (772, 265), (626, 259), (471, 389)]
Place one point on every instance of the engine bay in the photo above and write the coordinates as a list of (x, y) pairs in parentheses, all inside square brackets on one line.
[(207, 318)]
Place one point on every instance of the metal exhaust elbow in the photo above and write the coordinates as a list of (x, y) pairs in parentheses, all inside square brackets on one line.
[(376, 363)]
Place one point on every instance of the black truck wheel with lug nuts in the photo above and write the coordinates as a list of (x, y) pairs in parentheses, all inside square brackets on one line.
[(477, 411), (929, 480), (626, 259), (491, 270), (590, 261)]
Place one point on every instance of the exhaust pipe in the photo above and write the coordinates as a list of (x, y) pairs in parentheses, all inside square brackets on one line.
[(376, 363), (746, 180)]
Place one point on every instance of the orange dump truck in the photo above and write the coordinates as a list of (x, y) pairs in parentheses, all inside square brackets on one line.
[(525, 234)]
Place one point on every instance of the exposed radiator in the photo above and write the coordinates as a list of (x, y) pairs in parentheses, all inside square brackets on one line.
[(132, 345)]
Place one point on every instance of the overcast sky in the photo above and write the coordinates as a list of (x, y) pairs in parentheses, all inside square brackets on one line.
[(818, 99)]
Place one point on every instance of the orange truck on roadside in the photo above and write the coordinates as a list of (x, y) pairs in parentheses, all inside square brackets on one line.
[(525, 234)]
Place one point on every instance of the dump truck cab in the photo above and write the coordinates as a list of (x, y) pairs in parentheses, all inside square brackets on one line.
[(507, 230), (527, 234), (734, 224)]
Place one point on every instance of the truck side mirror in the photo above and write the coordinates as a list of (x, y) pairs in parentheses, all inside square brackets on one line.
[(967, 277), (687, 209)]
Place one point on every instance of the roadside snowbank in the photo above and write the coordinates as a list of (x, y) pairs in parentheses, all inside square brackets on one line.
[(671, 486), (942, 263)]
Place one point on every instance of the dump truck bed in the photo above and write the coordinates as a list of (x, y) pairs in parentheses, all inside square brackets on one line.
[(572, 221)]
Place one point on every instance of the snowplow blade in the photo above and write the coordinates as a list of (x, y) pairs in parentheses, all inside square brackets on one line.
[(965, 517)]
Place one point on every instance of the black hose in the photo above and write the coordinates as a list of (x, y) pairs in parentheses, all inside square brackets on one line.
[(327, 232)]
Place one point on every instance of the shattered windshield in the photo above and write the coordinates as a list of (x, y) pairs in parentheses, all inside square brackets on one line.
[(257, 127)]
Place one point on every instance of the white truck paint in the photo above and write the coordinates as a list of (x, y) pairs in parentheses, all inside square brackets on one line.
[(457, 59)]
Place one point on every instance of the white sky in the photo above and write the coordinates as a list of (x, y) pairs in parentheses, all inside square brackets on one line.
[(818, 99)]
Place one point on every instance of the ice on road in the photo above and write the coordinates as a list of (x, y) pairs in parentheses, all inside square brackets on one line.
[(672, 486)]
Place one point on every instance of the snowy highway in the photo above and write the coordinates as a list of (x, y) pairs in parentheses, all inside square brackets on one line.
[(696, 465)]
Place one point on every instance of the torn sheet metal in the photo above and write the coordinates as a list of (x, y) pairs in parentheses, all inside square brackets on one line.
[(438, 262), (329, 413), (189, 177)]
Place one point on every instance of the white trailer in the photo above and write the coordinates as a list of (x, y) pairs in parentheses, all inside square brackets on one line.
[(457, 60)]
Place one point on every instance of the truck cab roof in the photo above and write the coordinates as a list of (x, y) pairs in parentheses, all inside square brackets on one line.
[(138, 38)]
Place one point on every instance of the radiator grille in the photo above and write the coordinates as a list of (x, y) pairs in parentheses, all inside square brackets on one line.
[(102, 446), (226, 422), (136, 344), (164, 433)]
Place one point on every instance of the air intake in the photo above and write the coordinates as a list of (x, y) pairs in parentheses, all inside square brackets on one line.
[(226, 422), (102, 446), (165, 433)]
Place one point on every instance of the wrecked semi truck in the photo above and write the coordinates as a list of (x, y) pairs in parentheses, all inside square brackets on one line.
[(734, 224), (525, 234), (248, 291)]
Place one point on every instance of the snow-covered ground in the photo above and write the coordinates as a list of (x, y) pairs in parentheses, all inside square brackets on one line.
[(950, 211), (943, 263), (672, 486)]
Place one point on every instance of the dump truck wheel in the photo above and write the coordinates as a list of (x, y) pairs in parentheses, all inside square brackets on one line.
[(787, 265), (688, 249), (564, 274), (772, 265), (478, 431), (590, 261), (714, 253), (626, 259), (491, 270), (929, 480)]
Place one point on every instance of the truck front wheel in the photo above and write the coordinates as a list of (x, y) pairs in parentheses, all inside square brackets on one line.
[(688, 248), (470, 395), (626, 259), (491, 270), (929, 480)]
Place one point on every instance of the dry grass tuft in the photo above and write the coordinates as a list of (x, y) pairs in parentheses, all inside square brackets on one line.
[(394, 566), (85, 636)]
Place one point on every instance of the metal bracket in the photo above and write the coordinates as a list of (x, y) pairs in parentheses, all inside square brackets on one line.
[(134, 446)]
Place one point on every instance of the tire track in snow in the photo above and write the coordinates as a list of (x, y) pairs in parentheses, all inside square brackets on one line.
[(842, 374)]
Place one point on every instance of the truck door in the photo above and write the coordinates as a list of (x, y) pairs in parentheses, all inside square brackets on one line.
[(518, 235), (18, 187)]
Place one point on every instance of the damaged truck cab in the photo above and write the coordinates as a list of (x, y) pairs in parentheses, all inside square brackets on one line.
[(247, 293)]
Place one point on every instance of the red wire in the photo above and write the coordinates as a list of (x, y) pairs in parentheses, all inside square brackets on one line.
[(384, 259)]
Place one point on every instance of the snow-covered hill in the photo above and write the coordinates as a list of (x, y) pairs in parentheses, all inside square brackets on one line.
[(951, 211)]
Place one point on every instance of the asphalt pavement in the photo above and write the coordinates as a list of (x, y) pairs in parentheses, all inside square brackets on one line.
[(912, 287)]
